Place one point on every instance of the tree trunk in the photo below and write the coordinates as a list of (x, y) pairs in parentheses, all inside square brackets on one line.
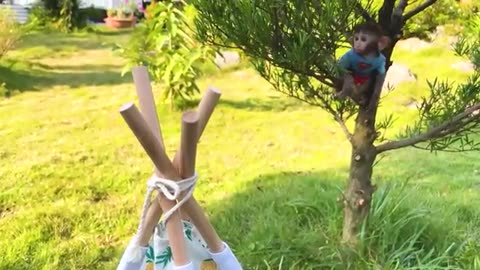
[(359, 191)]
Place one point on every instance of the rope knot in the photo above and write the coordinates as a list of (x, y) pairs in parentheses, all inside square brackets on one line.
[(172, 190)]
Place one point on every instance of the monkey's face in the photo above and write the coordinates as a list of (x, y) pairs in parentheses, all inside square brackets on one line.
[(365, 43)]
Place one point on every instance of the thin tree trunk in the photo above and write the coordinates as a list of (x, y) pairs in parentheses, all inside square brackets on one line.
[(359, 191)]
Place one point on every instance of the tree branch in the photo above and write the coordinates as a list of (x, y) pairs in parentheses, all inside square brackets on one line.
[(440, 131), (363, 12), (311, 73), (397, 21), (377, 90), (337, 118), (385, 13), (419, 9), (324, 104), (292, 68), (398, 11), (342, 124)]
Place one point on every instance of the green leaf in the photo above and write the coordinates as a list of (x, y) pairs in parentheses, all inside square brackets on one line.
[(166, 44), (149, 255), (165, 257)]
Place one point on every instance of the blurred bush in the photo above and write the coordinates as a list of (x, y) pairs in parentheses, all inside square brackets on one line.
[(445, 12), (10, 34), (63, 15)]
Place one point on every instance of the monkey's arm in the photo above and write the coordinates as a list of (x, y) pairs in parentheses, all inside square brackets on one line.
[(377, 91), (345, 61), (346, 88), (374, 91), (345, 82)]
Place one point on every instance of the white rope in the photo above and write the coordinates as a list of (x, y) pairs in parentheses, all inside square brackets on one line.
[(170, 189)]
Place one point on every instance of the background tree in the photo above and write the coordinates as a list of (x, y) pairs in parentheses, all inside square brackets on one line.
[(64, 15), (165, 44), (294, 44), (11, 33)]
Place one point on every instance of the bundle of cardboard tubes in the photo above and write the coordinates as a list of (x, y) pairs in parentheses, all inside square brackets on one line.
[(146, 128)]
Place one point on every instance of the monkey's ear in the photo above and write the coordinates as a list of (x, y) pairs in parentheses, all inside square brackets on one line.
[(349, 38), (383, 42), (350, 41)]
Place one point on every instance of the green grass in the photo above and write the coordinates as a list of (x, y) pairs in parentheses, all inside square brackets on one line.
[(73, 175)]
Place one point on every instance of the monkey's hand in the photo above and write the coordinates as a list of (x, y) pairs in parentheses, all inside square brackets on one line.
[(377, 90)]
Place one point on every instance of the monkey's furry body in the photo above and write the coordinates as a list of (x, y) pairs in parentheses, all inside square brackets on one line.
[(362, 63), (362, 67)]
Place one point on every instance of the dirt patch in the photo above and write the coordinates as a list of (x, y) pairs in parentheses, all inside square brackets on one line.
[(464, 66), (227, 59), (413, 44), (397, 74)]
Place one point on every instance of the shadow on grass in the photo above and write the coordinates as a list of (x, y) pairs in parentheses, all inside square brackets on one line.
[(251, 104), (256, 104), (30, 77), (293, 219), (103, 31), (56, 43), (84, 67), (60, 41), (285, 214)]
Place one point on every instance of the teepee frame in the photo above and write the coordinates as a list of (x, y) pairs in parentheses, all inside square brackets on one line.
[(145, 126)]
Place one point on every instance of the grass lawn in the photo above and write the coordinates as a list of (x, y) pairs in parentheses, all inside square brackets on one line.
[(73, 175)]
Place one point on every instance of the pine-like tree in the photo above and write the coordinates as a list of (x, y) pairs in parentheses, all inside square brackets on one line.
[(293, 45)]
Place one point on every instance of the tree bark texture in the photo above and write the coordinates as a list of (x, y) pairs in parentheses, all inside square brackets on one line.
[(359, 191)]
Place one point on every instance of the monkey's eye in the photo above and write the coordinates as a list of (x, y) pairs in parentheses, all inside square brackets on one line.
[(364, 39)]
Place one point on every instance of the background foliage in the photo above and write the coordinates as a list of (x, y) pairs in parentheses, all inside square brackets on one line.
[(165, 43), (64, 15), (9, 31), (10, 34), (294, 45), (444, 12), (69, 205)]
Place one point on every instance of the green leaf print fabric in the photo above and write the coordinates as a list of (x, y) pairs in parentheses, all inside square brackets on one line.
[(159, 253)]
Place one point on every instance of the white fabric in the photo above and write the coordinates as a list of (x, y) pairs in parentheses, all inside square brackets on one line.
[(226, 259), (185, 267), (170, 189), (158, 256), (134, 257)]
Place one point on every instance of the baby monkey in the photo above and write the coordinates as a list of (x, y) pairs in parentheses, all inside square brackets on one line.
[(362, 62)]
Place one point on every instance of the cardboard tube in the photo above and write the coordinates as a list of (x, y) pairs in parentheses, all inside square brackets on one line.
[(188, 143), (205, 110), (152, 146), (143, 87), (150, 143), (188, 150), (146, 100), (184, 156), (191, 206), (206, 107), (151, 220), (174, 233), (205, 228)]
